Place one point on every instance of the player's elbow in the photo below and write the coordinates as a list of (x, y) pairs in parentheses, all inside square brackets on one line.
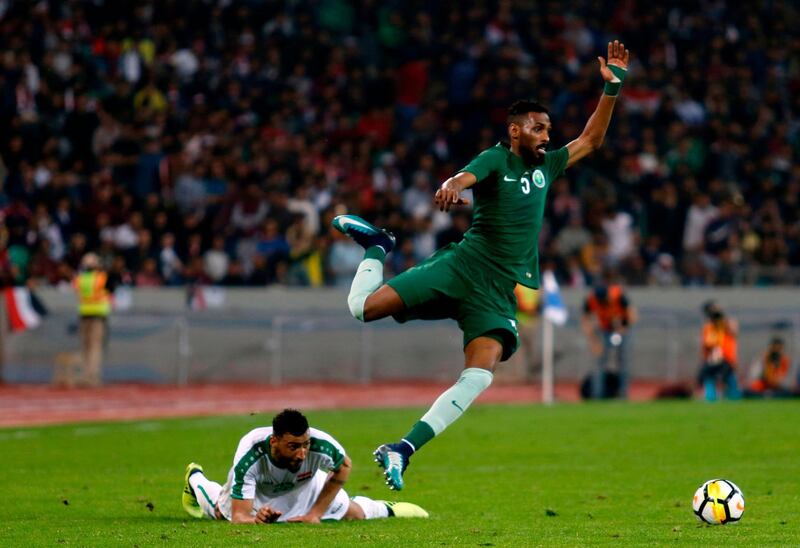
[(590, 141), (594, 141), (241, 518)]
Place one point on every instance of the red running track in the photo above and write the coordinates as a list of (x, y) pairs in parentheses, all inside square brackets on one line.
[(29, 405)]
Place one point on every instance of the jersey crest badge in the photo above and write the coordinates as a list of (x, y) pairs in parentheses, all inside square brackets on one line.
[(538, 179)]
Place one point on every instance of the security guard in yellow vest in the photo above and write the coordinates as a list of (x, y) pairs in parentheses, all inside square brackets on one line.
[(94, 306)]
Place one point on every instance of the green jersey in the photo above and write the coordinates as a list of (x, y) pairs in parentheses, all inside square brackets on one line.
[(509, 208)]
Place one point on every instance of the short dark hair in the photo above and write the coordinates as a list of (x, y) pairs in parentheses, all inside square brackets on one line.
[(712, 310), (522, 107), (601, 293), (289, 421)]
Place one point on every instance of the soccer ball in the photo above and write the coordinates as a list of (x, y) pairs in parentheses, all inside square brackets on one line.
[(718, 501)]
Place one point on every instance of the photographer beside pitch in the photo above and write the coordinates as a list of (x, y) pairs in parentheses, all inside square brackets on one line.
[(772, 371), (719, 352), (286, 472)]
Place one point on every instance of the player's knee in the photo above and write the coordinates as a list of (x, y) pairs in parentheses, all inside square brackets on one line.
[(371, 311), (356, 305), (480, 379), (354, 512), (484, 352), (375, 308)]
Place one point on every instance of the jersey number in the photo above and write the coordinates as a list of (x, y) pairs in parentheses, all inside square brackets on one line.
[(526, 185)]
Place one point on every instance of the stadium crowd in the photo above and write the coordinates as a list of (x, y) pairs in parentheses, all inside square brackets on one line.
[(212, 141)]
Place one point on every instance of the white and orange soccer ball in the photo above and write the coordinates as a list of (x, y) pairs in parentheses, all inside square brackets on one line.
[(718, 501)]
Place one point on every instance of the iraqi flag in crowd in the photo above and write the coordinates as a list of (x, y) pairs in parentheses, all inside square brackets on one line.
[(641, 99), (23, 308), (203, 297), (553, 307)]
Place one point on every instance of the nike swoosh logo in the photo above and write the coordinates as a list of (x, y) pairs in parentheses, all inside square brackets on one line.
[(509, 180), (344, 222), (459, 407)]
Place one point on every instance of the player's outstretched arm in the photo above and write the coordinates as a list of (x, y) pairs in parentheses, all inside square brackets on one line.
[(242, 512), (593, 134)]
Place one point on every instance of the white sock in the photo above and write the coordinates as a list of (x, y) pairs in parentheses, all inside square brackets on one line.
[(368, 278), (373, 509), (456, 399), (207, 493)]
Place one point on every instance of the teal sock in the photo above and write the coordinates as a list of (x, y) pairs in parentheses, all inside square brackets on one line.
[(375, 252), (420, 434), (449, 406), (368, 278)]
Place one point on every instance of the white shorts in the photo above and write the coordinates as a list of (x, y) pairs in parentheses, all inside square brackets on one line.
[(294, 503)]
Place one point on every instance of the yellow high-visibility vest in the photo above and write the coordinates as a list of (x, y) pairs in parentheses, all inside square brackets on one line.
[(527, 303), (93, 298)]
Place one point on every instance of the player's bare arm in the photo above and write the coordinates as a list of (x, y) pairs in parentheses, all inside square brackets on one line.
[(595, 131), (335, 482), (449, 194), (242, 512)]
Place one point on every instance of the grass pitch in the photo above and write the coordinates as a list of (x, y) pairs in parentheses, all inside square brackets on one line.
[(613, 474)]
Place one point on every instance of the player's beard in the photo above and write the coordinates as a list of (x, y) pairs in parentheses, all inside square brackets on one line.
[(531, 157), (292, 465)]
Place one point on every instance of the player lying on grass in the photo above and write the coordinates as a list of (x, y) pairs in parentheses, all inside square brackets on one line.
[(287, 472), (473, 281)]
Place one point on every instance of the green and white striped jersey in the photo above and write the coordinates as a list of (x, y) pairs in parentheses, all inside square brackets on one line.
[(255, 476)]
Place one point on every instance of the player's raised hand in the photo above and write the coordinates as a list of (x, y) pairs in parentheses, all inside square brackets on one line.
[(448, 196), (617, 56), (266, 514)]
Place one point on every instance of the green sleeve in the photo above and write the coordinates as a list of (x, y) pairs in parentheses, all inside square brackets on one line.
[(484, 163), (556, 162)]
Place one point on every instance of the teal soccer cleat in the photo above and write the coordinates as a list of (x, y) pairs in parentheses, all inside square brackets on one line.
[(363, 233), (393, 462)]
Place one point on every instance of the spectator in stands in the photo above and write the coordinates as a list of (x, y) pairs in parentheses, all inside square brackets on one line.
[(700, 214), (573, 237), (148, 276), (170, 264), (720, 237), (203, 133), (216, 260), (662, 271)]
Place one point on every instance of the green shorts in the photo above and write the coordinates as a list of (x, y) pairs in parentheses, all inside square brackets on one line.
[(445, 286)]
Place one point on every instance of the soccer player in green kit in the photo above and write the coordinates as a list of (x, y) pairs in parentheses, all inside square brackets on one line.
[(473, 281)]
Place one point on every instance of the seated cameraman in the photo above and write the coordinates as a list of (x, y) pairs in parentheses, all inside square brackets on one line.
[(772, 370)]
